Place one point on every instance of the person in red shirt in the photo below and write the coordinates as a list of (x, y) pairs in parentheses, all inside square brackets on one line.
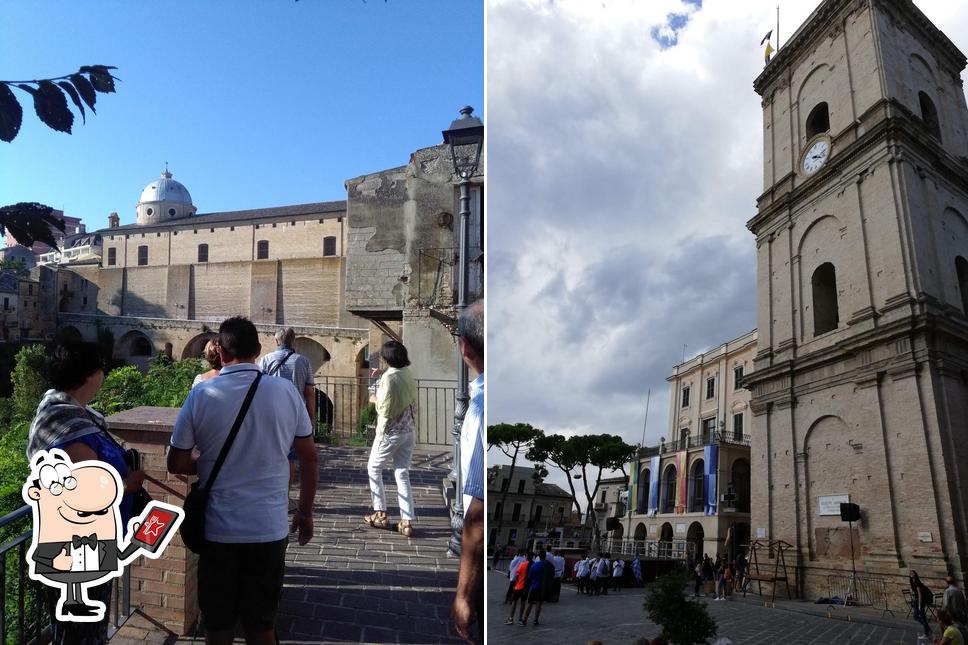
[(520, 589)]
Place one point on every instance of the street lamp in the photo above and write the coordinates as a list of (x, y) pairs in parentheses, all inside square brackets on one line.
[(465, 138)]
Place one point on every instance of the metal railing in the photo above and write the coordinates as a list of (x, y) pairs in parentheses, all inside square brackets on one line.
[(25, 617), (865, 591), (341, 401), (697, 441), (437, 279)]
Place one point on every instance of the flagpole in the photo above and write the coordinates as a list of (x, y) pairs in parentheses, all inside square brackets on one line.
[(646, 424), (778, 27)]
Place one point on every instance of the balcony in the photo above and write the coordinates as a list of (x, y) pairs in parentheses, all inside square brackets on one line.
[(698, 441)]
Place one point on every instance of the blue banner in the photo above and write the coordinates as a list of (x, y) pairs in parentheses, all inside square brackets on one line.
[(711, 464), (654, 486)]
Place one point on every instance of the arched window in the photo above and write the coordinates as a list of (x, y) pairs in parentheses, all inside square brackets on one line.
[(697, 487), (961, 267), (667, 490), (929, 114), (741, 485), (329, 245), (644, 482), (825, 314), (203, 252), (818, 120), (262, 250)]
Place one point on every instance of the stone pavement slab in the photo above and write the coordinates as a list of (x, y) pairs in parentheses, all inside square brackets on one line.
[(354, 583), (620, 618)]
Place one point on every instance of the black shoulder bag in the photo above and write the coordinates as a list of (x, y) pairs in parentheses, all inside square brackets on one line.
[(192, 529)]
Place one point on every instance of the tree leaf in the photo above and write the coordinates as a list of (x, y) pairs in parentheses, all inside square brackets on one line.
[(71, 92), (101, 79), (11, 114), (85, 89), (50, 104), (30, 222)]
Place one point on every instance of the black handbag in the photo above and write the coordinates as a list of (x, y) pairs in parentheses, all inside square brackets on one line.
[(192, 529)]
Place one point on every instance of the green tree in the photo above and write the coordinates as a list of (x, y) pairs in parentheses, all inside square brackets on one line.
[(123, 388), (511, 439), (168, 382), (574, 456), (29, 381), (683, 620)]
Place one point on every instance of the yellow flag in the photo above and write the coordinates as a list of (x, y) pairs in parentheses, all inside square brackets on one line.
[(769, 51)]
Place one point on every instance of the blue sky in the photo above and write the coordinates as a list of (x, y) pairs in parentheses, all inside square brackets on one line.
[(253, 104)]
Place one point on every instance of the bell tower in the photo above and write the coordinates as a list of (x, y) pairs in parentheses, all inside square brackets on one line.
[(860, 390)]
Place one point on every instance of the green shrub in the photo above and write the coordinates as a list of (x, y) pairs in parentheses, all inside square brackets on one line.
[(29, 381), (123, 388), (683, 620), (368, 417), (168, 382)]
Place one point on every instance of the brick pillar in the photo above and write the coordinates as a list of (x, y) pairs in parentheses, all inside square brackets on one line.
[(163, 589)]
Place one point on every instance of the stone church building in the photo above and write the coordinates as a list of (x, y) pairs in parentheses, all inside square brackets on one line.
[(860, 386), (346, 275)]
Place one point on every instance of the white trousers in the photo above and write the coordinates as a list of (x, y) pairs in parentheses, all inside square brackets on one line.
[(399, 449)]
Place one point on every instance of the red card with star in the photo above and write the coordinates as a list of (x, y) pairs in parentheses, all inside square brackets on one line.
[(155, 527)]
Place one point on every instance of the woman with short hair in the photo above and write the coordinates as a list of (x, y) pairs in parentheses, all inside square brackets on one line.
[(395, 437), (65, 421)]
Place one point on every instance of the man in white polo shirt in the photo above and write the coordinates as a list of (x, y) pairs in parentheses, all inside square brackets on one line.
[(240, 572)]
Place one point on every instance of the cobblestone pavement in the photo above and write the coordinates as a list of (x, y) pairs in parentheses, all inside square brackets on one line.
[(620, 619), (353, 583)]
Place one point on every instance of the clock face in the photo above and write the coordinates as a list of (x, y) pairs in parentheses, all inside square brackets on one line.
[(816, 156)]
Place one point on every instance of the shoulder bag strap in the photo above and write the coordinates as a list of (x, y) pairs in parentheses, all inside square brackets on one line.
[(234, 431), (278, 366)]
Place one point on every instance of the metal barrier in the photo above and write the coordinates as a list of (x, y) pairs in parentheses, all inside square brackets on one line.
[(342, 401), (25, 618), (862, 591)]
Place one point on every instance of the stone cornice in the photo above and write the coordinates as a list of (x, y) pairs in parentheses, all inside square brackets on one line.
[(820, 22), (900, 127)]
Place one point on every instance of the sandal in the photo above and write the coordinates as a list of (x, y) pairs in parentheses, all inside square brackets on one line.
[(378, 519), (404, 528)]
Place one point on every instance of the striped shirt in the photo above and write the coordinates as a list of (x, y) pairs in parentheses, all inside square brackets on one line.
[(472, 444)]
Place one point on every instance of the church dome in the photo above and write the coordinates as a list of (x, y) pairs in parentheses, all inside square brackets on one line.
[(166, 189), (164, 199)]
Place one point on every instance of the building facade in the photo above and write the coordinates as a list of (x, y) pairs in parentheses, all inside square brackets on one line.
[(610, 503), (859, 391), (678, 487), (533, 512)]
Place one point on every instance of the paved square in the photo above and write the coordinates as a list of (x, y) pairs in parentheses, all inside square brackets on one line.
[(620, 618)]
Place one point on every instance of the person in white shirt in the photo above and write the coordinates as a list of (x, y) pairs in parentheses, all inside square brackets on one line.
[(240, 573), (558, 562), (518, 559), (618, 570)]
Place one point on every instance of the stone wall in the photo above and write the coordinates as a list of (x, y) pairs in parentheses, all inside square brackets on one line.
[(164, 589), (299, 237)]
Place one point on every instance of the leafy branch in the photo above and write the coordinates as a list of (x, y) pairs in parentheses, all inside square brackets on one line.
[(30, 222), (50, 98)]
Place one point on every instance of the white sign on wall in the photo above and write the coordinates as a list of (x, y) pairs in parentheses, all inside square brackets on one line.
[(830, 504), (760, 533), (924, 536), (680, 529)]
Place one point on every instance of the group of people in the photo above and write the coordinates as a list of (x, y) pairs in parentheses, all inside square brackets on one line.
[(952, 615), (241, 568), (593, 576), (534, 578), (724, 575)]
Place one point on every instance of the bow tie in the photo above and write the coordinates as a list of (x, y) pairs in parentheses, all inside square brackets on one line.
[(90, 540)]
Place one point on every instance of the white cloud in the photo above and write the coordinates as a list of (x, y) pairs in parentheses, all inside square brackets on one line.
[(621, 176)]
